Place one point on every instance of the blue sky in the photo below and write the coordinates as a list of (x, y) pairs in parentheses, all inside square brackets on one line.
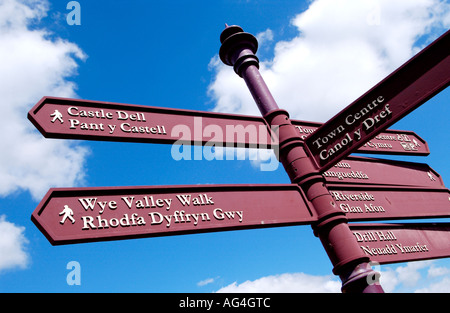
[(316, 57)]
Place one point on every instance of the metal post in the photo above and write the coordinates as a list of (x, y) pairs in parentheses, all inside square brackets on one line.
[(350, 263)]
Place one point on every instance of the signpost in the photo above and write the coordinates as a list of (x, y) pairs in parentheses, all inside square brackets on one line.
[(392, 243), (412, 84), (416, 81), (327, 190), (74, 215)]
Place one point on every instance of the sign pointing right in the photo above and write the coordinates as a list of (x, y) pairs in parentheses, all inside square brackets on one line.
[(416, 81), (392, 243), (372, 202), (371, 171)]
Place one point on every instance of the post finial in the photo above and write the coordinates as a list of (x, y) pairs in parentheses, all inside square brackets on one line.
[(238, 48)]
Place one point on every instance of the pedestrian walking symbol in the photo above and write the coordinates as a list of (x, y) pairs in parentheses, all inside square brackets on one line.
[(68, 213), (57, 116), (431, 176)]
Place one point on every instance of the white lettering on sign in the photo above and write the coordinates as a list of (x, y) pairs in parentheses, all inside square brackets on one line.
[(367, 207), (98, 120), (305, 132), (340, 196), (122, 115), (352, 118), (389, 248), (147, 211), (343, 175), (359, 118), (74, 111), (90, 222)]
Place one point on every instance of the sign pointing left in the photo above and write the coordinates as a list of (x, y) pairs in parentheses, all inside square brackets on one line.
[(75, 215), (97, 120)]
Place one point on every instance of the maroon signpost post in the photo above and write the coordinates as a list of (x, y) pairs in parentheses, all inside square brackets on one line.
[(401, 92), (327, 190)]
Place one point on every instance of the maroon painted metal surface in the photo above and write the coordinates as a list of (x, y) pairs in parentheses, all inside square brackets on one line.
[(387, 142), (416, 81), (361, 203), (371, 171), (95, 120), (392, 243), (76, 215)]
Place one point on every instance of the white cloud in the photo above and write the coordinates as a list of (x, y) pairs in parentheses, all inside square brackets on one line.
[(436, 271), (286, 283), (388, 280), (441, 286), (206, 282), (409, 275), (12, 245), (265, 36), (419, 277), (342, 49), (33, 65), (437, 279)]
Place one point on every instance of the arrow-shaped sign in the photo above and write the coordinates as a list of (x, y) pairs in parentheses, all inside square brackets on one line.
[(392, 243), (96, 120), (365, 202), (73, 215), (416, 81), (371, 171)]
